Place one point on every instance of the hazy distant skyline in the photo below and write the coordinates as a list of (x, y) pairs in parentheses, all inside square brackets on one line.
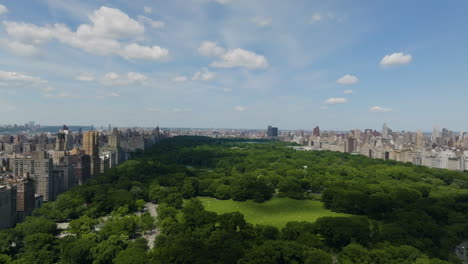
[(235, 63)]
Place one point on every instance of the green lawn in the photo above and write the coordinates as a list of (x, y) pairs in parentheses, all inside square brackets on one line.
[(276, 212)]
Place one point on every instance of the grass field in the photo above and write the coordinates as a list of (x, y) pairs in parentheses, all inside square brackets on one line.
[(276, 212)]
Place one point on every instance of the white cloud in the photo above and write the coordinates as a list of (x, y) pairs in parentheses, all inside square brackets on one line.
[(227, 90), (102, 36), (179, 79), (241, 58), (28, 32), (232, 58), (378, 109), (114, 94), (262, 21), (110, 23), (349, 91), (203, 75), (112, 78), (348, 80), (209, 48), (147, 10), (181, 110), (153, 23), (22, 49), (17, 77), (316, 17), (320, 17), (135, 51), (85, 77), (3, 9), (336, 100), (135, 77), (396, 59), (240, 108)]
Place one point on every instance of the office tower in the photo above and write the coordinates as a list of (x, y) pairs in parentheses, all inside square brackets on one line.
[(25, 199), (316, 132), (272, 131), (7, 206), (91, 148)]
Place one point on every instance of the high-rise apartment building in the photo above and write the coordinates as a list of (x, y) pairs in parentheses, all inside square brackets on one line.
[(25, 198), (40, 168), (91, 148), (7, 206)]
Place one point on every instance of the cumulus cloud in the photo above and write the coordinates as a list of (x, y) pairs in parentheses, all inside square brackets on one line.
[(203, 75), (262, 21), (227, 90), (379, 109), (232, 58), (16, 77), (135, 51), (241, 58), (21, 48), (3, 9), (180, 79), (349, 91), (85, 77), (348, 80), (153, 23), (209, 48), (396, 59), (336, 100), (102, 36), (112, 78), (135, 77), (240, 108)]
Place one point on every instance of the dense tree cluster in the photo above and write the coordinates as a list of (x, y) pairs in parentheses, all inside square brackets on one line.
[(402, 213)]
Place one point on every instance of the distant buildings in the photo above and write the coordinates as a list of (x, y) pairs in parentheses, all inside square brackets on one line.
[(37, 167)]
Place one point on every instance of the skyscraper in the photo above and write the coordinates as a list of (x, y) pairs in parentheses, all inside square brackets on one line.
[(91, 148)]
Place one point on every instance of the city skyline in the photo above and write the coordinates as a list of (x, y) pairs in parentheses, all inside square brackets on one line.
[(240, 64)]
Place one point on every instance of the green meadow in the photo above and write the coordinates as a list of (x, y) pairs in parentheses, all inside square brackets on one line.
[(275, 212)]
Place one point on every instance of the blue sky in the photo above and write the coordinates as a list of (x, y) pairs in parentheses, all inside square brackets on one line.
[(235, 63)]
